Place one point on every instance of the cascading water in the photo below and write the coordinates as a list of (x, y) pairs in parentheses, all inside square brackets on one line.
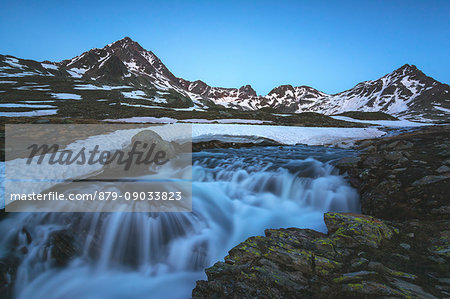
[(237, 193)]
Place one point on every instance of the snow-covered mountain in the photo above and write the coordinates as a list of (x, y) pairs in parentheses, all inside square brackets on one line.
[(405, 92)]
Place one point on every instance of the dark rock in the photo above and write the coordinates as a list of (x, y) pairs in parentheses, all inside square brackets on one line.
[(364, 144), (348, 162), (405, 246), (443, 210), (399, 145), (8, 270), (429, 179), (443, 169), (358, 262), (302, 263), (395, 157), (372, 161), (63, 247)]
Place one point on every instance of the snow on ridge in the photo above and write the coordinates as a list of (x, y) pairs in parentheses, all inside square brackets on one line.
[(442, 109), (103, 87), (14, 62), (49, 66), (134, 94), (77, 72), (140, 106), (103, 60), (151, 58), (66, 96), (22, 74)]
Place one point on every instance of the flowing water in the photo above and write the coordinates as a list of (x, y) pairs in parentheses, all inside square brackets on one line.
[(237, 193)]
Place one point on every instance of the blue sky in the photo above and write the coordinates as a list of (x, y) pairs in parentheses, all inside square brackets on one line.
[(329, 45)]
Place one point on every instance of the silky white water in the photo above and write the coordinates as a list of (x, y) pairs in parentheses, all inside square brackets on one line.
[(237, 193)]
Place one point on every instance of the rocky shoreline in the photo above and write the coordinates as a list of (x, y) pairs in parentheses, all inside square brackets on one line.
[(399, 248)]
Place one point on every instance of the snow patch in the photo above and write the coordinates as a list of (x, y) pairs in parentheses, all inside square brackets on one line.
[(11, 105), (134, 94), (66, 96), (288, 134), (13, 62), (30, 113), (104, 87), (148, 119), (442, 109), (383, 123), (49, 66), (76, 72), (226, 121)]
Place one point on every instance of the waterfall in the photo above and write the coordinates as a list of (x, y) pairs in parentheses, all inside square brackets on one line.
[(237, 193)]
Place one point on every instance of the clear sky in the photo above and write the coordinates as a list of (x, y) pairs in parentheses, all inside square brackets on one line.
[(329, 45)]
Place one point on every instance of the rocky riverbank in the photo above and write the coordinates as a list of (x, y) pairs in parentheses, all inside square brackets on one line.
[(399, 248)]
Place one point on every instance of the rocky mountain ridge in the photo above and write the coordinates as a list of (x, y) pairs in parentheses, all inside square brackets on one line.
[(405, 92)]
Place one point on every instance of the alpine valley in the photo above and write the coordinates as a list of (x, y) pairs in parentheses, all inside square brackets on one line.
[(125, 80)]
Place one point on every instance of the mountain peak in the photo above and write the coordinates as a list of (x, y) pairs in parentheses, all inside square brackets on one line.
[(407, 69), (125, 43), (247, 90)]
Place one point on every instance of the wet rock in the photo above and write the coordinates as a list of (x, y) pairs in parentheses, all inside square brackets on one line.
[(27, 234), (63, 247), (8, 270), (348, 162)]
